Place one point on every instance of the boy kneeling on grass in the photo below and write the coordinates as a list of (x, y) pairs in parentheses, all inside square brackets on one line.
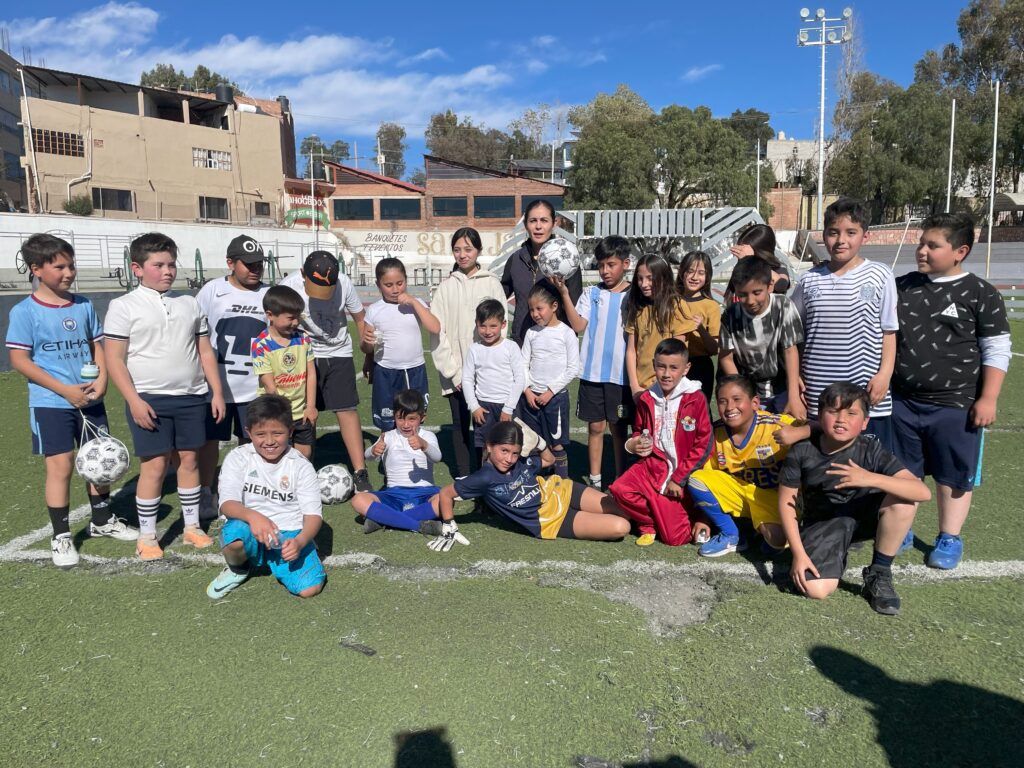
[(851, 488), (271, 497)]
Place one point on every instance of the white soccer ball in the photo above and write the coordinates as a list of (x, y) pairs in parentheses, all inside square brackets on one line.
[(336, 484), (558, 257), (102, 460)]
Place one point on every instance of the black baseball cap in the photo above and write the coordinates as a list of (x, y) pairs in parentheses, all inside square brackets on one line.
[(245, 249), (320, 269)]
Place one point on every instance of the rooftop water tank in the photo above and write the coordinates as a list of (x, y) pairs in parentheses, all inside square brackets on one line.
[(224, 92)]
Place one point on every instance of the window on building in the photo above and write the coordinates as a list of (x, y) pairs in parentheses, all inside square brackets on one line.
[(9, 122), (211, 158), (12, 169), (360, 209), (5, 83), (555, 200), (261, 209), (450, 206), (488, 207), (399, 208), (112, 199), (213, 208), (58, 142)]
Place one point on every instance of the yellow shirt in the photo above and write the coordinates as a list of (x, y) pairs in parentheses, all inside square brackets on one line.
[(287, 364), (646, 338), (710, 313), (757, 458)]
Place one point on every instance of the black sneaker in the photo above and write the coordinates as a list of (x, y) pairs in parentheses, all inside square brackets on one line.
[(879, 590), (431, 527), (370, 526), (362, 481)]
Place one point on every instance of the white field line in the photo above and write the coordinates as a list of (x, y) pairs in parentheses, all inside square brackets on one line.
[(18, 550)]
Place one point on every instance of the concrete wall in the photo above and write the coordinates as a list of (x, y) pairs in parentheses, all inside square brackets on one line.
[(11, 142), (153, 159)]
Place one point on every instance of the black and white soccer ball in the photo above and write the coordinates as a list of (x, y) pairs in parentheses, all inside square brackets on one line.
[(336, 484), (102, 460), (558, 257)]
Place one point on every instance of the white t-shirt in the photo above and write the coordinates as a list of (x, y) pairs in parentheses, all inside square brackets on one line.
[(161, 331), (325, 320), (235, 318), (405, 467), (551, 356), (399, 345), (282, 492), (493, 374)]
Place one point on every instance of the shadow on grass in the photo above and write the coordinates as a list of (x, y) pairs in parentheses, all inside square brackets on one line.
[(424, 749), (937, 723), (675, 761)]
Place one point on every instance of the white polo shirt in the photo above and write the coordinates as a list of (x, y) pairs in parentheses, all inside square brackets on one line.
[(325, 320), (161, 331)]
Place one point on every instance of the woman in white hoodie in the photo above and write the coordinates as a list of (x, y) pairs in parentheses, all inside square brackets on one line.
[(454, 305)]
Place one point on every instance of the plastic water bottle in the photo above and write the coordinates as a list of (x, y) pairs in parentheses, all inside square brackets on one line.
[(645, 439), (90, 371)]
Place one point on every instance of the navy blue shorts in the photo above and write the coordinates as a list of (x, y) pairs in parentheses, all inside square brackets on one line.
[(480, 431), (880, 427), (336, 384), (600, 401), (180, 424), (59, 430), (550, 421), (233, 423), (386, 382), (939, 441)]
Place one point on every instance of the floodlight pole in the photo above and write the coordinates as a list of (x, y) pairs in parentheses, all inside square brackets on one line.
[(992, 184), (829, 35), (757, 200), (949, 177)]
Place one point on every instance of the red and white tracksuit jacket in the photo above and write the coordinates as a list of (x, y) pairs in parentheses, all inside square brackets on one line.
[(680, 427)]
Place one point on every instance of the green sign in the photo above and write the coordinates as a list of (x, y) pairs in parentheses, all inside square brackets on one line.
[(306, 213)]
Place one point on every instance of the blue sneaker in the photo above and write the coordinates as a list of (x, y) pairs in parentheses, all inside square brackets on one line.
[(226, 581), (721, 544), (908, 542), (947, 553)]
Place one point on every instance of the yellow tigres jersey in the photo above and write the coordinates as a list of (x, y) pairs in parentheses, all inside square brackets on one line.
[(757, 458)]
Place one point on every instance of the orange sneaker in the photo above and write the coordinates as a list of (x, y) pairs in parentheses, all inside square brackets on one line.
[(148, 549), (645, 539), (194, 535)]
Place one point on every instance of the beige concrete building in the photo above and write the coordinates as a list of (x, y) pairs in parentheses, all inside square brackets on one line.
[(12, 175), (151, 153)]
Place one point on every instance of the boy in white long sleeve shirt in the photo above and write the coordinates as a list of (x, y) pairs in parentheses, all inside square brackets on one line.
[(493, 374), (409, 453), (552, 358)]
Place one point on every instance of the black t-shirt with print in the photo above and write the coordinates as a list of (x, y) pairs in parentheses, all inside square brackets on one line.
[(938, 358)]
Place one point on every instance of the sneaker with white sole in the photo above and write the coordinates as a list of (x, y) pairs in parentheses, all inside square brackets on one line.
[(226, 581), (361, 480), (948, 552), (115, 528), (721, 544), (63, 552), (879, 591)]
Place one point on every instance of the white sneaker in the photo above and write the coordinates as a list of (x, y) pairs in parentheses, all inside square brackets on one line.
[(208, 506), (115, 528), (63, 551)]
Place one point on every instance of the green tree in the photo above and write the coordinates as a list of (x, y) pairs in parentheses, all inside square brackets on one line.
[(202, 79), (391, 140), (751, 125), (418, 177), (460, 140), (337, 152)]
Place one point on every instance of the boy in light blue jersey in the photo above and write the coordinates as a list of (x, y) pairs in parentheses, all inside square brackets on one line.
[(54, 341), (604, 397)]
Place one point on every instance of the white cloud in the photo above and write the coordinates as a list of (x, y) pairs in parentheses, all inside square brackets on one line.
[(344, 85), (693, 74), (428, 55), (544, 41)]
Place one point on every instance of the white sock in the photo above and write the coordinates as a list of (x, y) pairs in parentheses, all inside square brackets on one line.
[(595, 479), (189, 498), (147, 509)]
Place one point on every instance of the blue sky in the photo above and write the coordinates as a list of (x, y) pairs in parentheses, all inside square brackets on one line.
[(348, 66)]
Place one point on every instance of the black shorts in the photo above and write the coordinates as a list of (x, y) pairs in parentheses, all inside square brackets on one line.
[(233, 423), (565, 529), (827, 542), (336, 384), (598, 401), (58, 430), (304, 433), (550, 421), (480, 431), (180, 424)]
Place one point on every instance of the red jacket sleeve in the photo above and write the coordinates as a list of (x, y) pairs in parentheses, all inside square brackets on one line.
[(644, 418), (692, 446)]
